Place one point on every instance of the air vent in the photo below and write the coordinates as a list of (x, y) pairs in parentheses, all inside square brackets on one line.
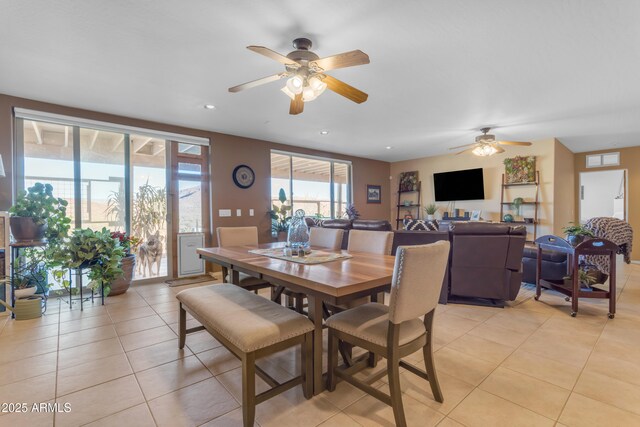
[(603, 160)]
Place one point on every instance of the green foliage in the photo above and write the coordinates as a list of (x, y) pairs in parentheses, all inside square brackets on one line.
[(577, 230), (149, 211), (431, 209), (583, 277), (280, 215), (99, 252), (517, 202), (39, 203)]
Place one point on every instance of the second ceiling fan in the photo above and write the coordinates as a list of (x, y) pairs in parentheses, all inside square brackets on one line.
[(486, 144), (306, 74)]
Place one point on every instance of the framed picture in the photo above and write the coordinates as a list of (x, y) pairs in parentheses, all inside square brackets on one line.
[(374, 193), (520, 169), (409, 181), (475, 215)]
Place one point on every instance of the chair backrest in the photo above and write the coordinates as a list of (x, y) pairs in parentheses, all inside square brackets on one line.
[(325, 237), (417, 280), (237, 236), (375, 242)]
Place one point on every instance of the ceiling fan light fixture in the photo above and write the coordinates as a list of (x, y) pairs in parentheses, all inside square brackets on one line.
[(288, 92), (308, 94), (295, 84), (485, 150), (317, 85)]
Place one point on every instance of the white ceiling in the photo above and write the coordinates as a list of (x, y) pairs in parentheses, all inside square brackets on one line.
[(439, 69)]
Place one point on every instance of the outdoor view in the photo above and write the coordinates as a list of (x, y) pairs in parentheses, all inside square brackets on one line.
[(310, 182), (48, 158)]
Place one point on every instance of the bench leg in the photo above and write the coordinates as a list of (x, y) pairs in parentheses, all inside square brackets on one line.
[(306, 365), (248, 389), (183, 327)]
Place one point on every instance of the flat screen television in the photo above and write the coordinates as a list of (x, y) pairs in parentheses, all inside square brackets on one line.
[(465, 184)]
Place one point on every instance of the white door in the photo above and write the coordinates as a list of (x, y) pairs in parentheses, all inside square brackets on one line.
[(603, 193)]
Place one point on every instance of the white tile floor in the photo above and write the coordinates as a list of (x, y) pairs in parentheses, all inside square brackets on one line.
[(526, 364)]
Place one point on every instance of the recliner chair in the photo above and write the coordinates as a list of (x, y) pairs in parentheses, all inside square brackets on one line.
[(485, 261)]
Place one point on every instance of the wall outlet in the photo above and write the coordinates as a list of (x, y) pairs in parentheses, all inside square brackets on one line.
[(238, 212), (224, 212), (250, 212)]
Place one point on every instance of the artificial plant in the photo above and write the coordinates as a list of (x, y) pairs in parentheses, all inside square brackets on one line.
[(280, 215), (431, 209)]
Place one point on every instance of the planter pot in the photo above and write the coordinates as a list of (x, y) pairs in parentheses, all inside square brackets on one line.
[(282, 236), (24, 292), (429, 217), (24, 229), (121, 285), (575, 240)]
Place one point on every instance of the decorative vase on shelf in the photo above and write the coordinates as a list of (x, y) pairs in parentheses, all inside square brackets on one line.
[(298, 231), (507, 218)]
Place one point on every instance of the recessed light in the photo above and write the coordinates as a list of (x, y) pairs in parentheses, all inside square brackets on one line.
[(209, 106), (388, 147), (324, 132)]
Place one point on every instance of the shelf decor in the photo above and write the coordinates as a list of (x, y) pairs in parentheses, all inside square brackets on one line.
[(409, 181), (520, 169)]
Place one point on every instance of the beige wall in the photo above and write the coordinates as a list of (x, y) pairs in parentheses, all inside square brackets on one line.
[(493, 166), (227, 152), (629, 160), (564, 188)]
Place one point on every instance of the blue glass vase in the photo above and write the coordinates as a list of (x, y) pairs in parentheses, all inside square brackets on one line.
[(298, 235)]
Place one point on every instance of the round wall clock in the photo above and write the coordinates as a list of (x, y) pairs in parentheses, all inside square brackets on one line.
[(243, 176)]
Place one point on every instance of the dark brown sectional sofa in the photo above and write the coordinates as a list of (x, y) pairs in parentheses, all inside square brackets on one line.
[(485, 263)]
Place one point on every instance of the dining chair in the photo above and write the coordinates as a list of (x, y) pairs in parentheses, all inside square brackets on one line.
[(328, 238), (394, 331), (240, 236), (374, 242)]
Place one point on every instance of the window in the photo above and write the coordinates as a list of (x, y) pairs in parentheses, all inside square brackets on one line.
[(602, 160), (321, 187)]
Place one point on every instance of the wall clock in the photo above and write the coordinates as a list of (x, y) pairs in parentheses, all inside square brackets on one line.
[(243, 176)]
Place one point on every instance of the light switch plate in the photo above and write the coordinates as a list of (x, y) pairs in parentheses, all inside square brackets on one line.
[(224, 212), (250, 212), (238, 212)]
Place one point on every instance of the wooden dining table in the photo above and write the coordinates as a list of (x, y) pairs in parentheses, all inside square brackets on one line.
[(334, 282)]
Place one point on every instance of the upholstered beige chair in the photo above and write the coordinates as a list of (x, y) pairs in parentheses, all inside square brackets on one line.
[(395, 331), (375, 242), (325, 238), (240, 236)]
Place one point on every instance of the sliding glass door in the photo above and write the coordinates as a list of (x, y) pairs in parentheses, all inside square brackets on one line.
[(110, 179)]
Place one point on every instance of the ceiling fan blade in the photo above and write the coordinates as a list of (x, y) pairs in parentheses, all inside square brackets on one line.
[(513, 143), (258, 82), (341, 88), (462, 146), (272, 54), (297, 105), (466, 151), (341, 60)]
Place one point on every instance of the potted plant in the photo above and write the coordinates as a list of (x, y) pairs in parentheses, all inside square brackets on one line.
[(280, 217), (517, 203), (577, 233), (584, 278), (100, 253), (129, 244), (431, 210), (34, 211)]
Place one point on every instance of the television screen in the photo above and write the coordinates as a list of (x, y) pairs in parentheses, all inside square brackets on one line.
[(459, 185)]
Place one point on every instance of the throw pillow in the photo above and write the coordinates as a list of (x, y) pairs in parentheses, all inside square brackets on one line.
[(420, 225)]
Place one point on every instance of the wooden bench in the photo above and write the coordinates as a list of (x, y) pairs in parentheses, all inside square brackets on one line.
[(251, 327)]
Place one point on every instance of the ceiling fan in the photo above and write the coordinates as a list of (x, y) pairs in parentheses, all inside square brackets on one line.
[(306, 74), (486, 144)]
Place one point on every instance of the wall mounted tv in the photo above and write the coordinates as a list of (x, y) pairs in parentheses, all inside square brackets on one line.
[(465, 184)]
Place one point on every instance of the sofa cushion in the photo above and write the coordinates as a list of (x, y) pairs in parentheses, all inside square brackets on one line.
[(344, 224), (553, 256), (420, 225), (371, 224)]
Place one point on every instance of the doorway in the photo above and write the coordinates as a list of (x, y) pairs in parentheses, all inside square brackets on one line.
[(603, 194)]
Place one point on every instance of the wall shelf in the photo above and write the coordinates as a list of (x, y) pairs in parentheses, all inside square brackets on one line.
[(535, 203), (414, 204)]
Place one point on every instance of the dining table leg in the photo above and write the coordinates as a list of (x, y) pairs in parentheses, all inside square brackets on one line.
[(315, 315)]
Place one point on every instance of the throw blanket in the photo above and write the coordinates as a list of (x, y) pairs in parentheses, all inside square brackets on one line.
[(615, 230)]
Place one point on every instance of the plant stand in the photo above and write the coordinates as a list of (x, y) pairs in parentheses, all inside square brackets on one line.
[(17, 270), (77, 272)]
